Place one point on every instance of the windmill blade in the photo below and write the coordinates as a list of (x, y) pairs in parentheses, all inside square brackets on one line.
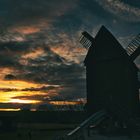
[(86, 39), (133, 49)]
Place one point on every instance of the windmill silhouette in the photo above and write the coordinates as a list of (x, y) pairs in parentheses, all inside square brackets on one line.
[(111, 74), (112, 88)]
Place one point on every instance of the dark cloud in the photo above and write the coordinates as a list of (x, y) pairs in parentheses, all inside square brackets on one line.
[(44, 88), (134, 3), (121, 9), (57, 74), (9, 77), (8, 61), (15, 47), (49, 57), (8, 89), (19, 11), (10, 105), (33, 97)]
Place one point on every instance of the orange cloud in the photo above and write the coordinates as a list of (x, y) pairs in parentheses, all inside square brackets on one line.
[(69, 54), (36, 53), (31, 55), (30, 28), (26, 29), (16, 84), (5, 71), (69, 48)]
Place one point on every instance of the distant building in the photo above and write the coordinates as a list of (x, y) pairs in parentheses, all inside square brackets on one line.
[(112, 81)]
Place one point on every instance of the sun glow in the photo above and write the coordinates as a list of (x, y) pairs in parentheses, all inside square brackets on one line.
[(24, 101), (12, 92), (9, 109), (16, 97), (18, 93), (16, 84)]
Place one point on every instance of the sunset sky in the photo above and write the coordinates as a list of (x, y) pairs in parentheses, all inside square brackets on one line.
[(40, 55)]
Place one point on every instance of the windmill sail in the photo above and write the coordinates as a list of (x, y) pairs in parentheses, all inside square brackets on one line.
[(86, 39), (133, 49)]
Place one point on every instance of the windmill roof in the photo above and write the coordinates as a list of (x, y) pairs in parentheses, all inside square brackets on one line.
[(105, 47)]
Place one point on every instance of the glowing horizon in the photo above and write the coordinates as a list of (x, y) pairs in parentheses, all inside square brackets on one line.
[(17, 91)]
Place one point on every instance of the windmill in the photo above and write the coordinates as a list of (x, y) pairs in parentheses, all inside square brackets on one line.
[(112, 76), (112, 86)]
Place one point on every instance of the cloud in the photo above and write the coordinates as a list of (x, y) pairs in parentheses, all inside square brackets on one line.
[(30, 11), (10, 53), (9, 77), (40, 40), (9, 47), (6, 37), (126, 40), (46, 66), (8, 61), (121, 9), (41, 94), (26, 29), (53, 72)]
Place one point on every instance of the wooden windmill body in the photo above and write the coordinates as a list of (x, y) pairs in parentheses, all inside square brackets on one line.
[(112, 76)]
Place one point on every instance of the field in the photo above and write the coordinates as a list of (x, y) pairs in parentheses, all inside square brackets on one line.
[(26, 125), (29, 133)]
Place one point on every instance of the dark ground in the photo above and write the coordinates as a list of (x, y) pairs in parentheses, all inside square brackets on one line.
[(39, 125)]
